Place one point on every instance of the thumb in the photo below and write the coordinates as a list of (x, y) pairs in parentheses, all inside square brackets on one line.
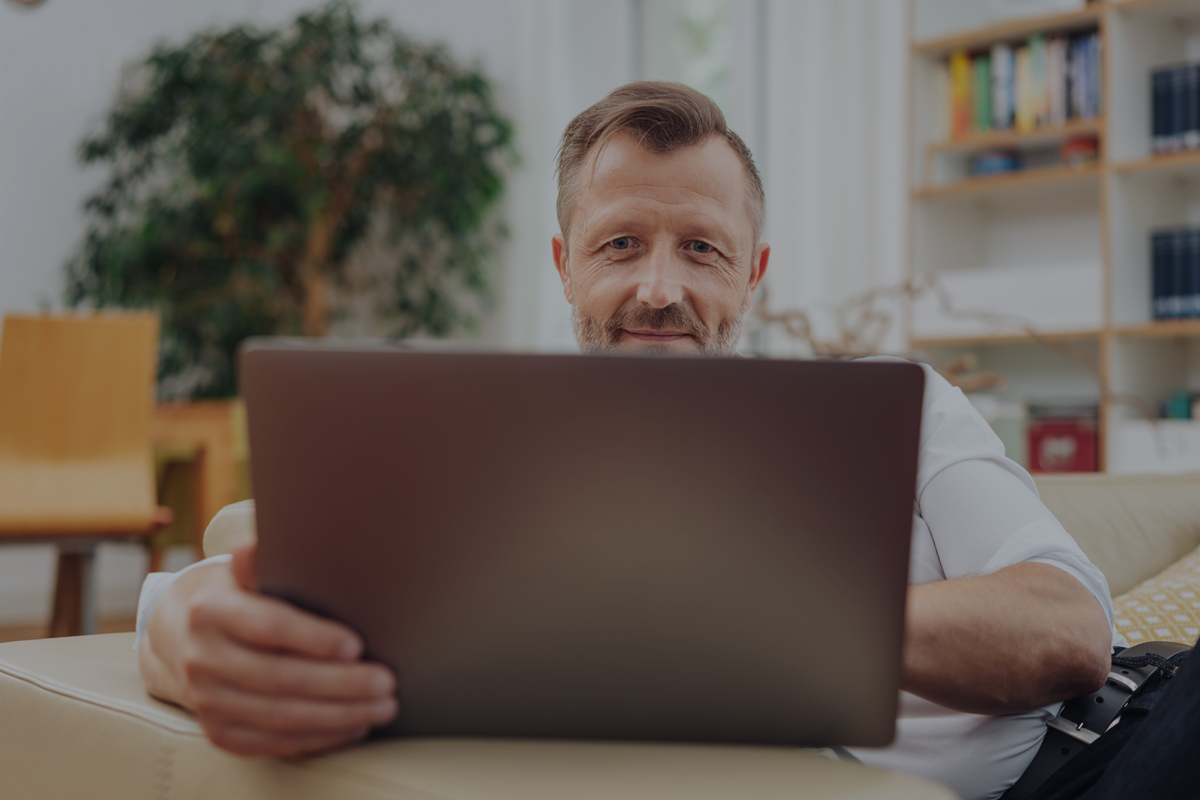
[(243, 566)]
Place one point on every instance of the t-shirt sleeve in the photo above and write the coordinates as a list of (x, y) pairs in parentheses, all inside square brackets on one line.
[(982, 508), (155, 585)]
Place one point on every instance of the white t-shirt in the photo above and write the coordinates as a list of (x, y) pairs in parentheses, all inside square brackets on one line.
[(975, 512)]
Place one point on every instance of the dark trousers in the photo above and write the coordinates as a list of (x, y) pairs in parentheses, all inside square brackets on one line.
[(1153, 752)]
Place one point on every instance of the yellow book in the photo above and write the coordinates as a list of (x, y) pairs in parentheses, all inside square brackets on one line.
[(1027, 94), (960, 94)]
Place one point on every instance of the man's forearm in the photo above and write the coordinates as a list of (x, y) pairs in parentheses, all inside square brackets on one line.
[(1023, 637)]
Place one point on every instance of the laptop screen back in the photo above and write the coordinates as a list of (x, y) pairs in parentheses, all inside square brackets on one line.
[(598, 547)]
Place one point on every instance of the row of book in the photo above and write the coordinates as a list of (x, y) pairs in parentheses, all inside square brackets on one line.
[(1048, 80), (1175, 104), (1175, 273)]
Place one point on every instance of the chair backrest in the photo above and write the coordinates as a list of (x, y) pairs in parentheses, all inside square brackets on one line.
[(76, 398)]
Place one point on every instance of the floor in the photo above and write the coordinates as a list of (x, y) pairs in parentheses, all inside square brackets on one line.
[(40, 631)]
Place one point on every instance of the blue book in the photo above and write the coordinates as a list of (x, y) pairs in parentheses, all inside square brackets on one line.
[(1191, 107), (1160, 97), (1178, 117), (1190, 289), (1160, 261), (1181, 244)]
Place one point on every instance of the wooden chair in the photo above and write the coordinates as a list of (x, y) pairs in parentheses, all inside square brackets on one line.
[(76, 397)]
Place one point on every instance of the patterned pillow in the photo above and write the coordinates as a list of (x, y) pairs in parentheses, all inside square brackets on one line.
[(1165, 608)]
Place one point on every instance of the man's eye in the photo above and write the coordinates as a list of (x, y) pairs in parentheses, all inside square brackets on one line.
[(702, 247), (621, 243)]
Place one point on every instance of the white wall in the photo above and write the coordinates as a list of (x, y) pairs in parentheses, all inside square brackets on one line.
[(836, 124)]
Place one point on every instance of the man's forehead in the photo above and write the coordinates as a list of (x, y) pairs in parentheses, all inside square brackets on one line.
[(708, 174), (711, 168)]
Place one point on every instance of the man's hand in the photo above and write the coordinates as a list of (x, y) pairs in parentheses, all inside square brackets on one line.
[(1023, 637), (264, 677)]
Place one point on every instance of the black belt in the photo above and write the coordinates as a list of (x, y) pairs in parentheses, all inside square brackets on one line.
[(1082, 720)]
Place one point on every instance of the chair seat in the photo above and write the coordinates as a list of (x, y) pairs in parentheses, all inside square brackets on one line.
[(79, 723), (77, 497)]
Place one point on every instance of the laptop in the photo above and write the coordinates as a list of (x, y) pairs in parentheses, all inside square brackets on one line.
[(597, 547)]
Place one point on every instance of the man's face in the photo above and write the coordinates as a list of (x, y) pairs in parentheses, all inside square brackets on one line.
[(660, 254)]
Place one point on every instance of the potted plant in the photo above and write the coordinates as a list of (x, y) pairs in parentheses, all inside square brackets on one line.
[(248, 167)]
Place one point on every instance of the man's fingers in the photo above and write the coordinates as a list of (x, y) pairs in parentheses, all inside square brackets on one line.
[(289, 716), (246, 741), (271, 624), (250, 669), (244, 566)]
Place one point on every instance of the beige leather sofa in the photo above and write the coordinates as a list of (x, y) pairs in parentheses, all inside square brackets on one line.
[(76, 722)]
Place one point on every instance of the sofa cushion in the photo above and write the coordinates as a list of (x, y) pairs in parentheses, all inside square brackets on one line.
[(1130, 526), (1165, 608), (77, 723)]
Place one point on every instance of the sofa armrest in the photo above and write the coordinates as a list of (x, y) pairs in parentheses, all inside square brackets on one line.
[(78, 723), (1131, 526)]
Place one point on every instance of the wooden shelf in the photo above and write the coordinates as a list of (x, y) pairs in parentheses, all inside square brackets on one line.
[(1004, 338), (1009, 181), (1162, 329), (1162, 9), (1011, 30), (1043, 135), (1170, 163), (1058, 213)]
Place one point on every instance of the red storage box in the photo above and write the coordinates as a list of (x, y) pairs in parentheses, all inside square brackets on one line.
[(1063, 445)]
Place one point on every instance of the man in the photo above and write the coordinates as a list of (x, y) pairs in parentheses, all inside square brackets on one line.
[(661, 209)]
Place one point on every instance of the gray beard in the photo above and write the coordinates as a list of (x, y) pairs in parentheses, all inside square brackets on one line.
[(594, 339)]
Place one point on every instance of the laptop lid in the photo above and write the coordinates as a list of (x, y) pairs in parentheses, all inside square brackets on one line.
[(594, 546)]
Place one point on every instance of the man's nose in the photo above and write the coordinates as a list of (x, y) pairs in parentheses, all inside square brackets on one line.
[(660, 280)]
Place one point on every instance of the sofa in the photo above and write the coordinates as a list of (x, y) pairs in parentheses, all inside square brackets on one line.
[(75, 720)]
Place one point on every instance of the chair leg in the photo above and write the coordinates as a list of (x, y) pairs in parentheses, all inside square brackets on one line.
[(74, 593), (154, 558)]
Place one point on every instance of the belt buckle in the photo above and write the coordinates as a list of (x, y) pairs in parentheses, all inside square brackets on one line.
[(1074, 730)]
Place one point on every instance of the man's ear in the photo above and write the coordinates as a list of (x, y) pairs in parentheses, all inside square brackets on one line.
[(758, 268), (558, 244)]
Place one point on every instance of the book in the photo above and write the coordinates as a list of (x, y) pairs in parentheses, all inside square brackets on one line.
[(1042, 80), (1175, 108), (1025, 95), (1189, 289), (1161, 244), (1002, 80), (1175, 273), (1056, 80), (981, 95), (1160, 95), (1039, 80), (1181, 243), (1190, 137), (960, 94)]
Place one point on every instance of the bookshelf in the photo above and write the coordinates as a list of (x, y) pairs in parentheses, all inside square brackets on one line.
[(1064, 249)]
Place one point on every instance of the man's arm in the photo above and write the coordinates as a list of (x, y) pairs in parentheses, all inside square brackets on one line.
[(264, 677), (1025, 636)]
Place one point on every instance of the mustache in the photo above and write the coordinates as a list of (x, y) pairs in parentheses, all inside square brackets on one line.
[(675, 316)]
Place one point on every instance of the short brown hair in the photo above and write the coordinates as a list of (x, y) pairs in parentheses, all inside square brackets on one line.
[(666, 116)]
